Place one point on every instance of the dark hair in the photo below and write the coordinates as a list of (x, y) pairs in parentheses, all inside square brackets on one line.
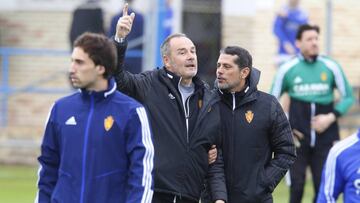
[(304, 28), (244, 58), (100, 49)]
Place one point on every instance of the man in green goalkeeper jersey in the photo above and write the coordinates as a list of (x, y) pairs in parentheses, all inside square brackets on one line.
[(310, 80)]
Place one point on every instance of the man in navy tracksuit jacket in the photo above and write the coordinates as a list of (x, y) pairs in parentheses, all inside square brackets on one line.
[(97, 145), (341, 172)]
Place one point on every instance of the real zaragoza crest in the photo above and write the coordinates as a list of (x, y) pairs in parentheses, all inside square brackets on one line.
[(108, 123), (249, 115)]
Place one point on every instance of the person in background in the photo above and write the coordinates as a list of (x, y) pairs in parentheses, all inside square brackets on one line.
[(310, 80), (133, 64), (341, 173), (97, 145), (88, 17), (286, 24)]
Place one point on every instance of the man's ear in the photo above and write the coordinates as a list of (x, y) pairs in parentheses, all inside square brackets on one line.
[(166, 60), (100, 69), (245, 72)]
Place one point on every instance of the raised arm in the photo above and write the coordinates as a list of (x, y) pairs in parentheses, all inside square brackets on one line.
[(134, 85)]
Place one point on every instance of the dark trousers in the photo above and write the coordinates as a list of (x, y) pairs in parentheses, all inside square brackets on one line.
[(160, 197), (315, 157)]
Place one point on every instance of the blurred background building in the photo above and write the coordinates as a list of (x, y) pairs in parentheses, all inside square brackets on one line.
[(34, 51)]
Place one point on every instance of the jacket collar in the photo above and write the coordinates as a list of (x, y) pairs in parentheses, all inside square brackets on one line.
[(247, 94), (311, 60), (102, 94), (175, 80), (251, 83)]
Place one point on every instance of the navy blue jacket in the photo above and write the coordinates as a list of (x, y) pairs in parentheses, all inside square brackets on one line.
[(97, 147), (341, 173), (258, 147)]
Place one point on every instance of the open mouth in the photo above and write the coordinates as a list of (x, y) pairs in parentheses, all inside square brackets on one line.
[(190, 65), (220, 80)]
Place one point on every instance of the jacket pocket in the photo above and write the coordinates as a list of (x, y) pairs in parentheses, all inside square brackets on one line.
[(111, 183), (65, 189), (263, 180)]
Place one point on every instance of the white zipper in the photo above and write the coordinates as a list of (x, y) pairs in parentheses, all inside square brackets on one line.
[(234, 101), (187, 113), (312, 132)]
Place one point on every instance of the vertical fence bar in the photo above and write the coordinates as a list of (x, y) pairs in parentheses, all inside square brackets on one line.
[(161, 9), (4, 87), (328, 34)]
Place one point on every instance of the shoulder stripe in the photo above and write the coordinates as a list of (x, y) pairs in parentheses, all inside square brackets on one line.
[(48, 116), (148, 161), (278, 82), (335, 68), (330, 166)]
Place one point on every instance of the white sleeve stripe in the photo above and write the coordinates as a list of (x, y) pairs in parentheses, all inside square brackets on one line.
[(278, 82), (148, 139), (330, 166), (37, 185), (145, 134), (146, 164), (148, 157), (339, 80)]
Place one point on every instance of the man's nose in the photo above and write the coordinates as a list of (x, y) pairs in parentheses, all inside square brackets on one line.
[(191, 56), (72, 67)]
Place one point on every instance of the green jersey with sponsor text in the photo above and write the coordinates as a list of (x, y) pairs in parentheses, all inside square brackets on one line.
[(313, 82)]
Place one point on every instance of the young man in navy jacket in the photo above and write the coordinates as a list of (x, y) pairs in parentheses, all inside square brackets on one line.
[(97, 145)]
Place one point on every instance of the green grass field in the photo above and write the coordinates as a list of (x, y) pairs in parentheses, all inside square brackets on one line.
[(18, 185)]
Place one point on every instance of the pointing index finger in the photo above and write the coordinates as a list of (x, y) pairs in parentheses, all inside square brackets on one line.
[(125, 9)]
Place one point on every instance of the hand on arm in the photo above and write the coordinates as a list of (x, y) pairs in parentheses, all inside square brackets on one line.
[(212, 154), (216, 179), (322, 121)]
